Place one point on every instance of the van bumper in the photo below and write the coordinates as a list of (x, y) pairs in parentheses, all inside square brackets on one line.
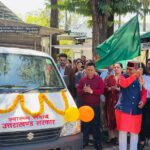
[(73, 142)]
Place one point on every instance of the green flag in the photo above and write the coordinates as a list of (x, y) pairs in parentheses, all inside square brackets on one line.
[(124, 44)]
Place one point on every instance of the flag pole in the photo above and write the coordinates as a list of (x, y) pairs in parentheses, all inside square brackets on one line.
[(141, 80), (140, 61)]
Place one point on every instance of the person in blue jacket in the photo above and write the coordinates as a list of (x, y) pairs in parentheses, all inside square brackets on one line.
[(129, 107)]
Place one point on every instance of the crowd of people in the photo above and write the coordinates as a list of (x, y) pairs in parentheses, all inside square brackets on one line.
[(119, 98)]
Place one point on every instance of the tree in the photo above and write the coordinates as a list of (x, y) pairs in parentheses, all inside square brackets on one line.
[(40, 17), (145, 5), (102, 13), (54, 23)]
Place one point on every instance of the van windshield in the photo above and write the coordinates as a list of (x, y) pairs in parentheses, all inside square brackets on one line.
[(24, 72)]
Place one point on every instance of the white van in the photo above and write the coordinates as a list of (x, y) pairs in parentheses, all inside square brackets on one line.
[(33, 99)]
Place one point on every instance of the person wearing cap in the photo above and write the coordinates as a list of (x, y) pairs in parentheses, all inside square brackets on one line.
[(129, 107)]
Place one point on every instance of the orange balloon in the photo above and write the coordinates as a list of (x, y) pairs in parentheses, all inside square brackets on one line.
[(86, 113)]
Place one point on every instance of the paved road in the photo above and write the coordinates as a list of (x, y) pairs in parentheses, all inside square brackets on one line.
[(112, 147), (107, 146)]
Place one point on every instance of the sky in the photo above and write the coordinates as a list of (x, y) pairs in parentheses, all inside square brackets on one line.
[(22, 7)]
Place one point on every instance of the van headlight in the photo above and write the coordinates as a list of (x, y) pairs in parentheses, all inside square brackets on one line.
[(71, 128)]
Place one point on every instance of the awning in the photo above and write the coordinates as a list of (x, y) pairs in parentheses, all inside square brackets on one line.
[(43, 31), (146, 35), (9, 36), (73, 47), (145, 41)]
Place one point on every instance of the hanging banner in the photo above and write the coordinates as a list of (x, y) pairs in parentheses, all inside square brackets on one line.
[(19, 29)]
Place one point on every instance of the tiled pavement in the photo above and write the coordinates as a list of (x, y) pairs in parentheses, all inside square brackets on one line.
[(107, 146), (112, 147)]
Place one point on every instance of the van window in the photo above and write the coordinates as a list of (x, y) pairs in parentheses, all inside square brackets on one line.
[(27, 71)]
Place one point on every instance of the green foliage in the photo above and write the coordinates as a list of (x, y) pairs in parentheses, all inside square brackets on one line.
[(119, 6), (40, 17), (77, 6), (145, 6), (104, 8), (83, 7), (89, 22), (125, 6)]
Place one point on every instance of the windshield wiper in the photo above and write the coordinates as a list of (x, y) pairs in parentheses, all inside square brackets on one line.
[(9, 86), (43, 88)]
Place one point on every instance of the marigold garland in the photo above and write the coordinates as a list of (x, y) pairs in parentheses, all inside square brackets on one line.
[(27, 111), (12, 107), (42, 98)]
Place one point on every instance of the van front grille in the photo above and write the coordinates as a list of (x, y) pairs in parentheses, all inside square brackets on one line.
[(30, 136)]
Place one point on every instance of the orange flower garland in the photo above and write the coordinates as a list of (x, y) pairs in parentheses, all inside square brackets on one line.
[(42, 98), (12, 107), (27, 111), (50, 104)]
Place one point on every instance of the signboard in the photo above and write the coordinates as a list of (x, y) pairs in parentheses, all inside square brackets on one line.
[(78, 34), (19, 29), (145, 46)]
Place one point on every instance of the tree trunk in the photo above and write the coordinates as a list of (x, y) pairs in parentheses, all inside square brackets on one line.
[(110, 27), (66, 20), (54, 24), (54, 15), (119, 24), (144, 22), (99, 30)]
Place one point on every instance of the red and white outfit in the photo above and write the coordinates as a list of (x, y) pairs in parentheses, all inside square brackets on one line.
[(128, 115)]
